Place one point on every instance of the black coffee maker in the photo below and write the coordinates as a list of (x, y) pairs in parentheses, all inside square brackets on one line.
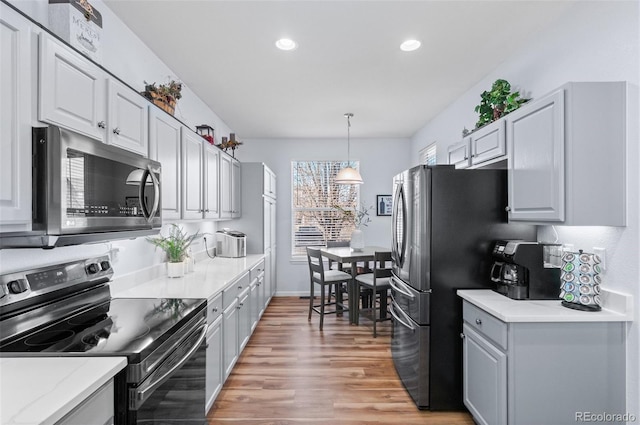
[(519, 272)]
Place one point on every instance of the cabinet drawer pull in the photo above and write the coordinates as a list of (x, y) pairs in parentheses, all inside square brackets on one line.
[(102, 124), (478, 322), (214, 310), (116, 130)]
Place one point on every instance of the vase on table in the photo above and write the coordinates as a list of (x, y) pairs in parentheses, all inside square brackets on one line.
[(175, 269), (357, 239)]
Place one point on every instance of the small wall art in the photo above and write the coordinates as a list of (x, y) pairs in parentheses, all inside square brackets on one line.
[(383, 204)]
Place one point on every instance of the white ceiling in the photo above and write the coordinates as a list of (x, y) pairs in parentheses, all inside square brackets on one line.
[(348, 57)]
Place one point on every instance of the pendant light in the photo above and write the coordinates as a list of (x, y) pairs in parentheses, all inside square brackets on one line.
[(348, 175)]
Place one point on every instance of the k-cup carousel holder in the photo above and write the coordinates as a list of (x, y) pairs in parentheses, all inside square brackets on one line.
[(580, 281)]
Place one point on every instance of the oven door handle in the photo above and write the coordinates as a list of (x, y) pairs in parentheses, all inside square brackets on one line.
[(140, 395), (392, 310)]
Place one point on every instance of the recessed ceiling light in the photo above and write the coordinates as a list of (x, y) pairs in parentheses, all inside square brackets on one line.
[(286, 44), (410, 45)]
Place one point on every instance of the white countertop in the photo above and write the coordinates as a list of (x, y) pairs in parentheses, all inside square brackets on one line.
[(209, 278), (618, 308), (41, 390)]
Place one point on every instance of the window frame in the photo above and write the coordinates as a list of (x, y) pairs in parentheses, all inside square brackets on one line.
[(298, 256)]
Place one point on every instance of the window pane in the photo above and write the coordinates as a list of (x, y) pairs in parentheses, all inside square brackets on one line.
[(315, 220)]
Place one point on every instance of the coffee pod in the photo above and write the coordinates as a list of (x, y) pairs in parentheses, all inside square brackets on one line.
[(585, 279), (569, 297), (597, 300), (569, 287), (586, 299), (596, 289), (597, 259), (568, 277), (569, 267), (569, 257), (585, 258), (584, 268), (597, 279), (585, 289), (597, 268)]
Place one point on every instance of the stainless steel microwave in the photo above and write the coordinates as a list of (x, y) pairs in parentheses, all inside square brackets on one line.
[(87, 191)]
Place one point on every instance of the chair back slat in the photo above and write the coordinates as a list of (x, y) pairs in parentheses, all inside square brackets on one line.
[(316, 268), (382, 264)]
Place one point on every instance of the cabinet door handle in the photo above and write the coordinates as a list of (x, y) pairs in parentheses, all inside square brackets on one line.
[(507, 208), (462, 336), (116, 130), (478, 322), (214, 310), (102, 124)]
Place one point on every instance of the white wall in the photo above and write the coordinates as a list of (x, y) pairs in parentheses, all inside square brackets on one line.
[(593, 41), (380, 160)]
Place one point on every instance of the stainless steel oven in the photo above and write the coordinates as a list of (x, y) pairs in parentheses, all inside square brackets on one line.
[(67, 310), (85, 190)]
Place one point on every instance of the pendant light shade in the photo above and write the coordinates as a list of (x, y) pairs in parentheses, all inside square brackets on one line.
[(348, 175)]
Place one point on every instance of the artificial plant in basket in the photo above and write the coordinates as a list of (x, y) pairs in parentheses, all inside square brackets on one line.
[(164, 96)]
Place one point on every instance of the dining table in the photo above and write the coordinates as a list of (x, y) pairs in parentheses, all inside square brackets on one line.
[(348, 255)]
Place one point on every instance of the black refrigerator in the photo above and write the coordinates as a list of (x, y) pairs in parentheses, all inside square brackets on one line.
[(444, 223)]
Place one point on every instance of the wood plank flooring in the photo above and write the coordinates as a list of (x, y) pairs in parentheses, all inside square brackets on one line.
[(291, 373)]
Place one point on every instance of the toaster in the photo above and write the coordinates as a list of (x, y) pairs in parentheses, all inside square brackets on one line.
[(231, 243)]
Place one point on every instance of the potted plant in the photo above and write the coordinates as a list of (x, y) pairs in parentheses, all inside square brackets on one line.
[(164, 96), (497, 102), (360, 217), (176, 246)]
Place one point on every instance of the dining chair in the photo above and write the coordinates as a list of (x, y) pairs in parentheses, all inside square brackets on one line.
[(377, 284), (326, 279)]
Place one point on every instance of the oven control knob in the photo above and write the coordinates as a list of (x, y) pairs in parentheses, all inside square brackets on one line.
[(93, 268), (105, 265), (17, 286)]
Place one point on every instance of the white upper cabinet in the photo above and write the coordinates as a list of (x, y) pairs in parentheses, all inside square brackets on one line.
[(488, 143), (78, 95), (230, 190), (211, 181), (482, 147), (72, 89), (16, 71), (192, 175), (568, 157), (536, 168), (128, 120), (165, 147), (458, 154)]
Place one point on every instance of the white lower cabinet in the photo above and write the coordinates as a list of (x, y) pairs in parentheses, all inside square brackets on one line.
[(244, 319), (230, 337), (525, 373), (214, 377), (98, 409)]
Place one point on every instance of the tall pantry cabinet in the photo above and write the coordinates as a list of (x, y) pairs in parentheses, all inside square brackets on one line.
[(258, 219)]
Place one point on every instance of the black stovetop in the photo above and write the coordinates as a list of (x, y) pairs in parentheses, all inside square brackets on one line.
[(130, 327)]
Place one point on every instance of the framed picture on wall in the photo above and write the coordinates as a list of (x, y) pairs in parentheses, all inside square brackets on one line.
[(383, 204)]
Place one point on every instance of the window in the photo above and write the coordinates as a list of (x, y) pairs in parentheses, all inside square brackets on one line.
[(428, 155), (315, 220)]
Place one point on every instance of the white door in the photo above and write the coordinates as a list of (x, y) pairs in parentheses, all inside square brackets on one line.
[(230, 335), (128, 120), (192, 175), (164, 147), (535, 136), (213, 375), (72, 90), (226, 192), (488, 143), (236, 188), (458, 154), (15, 113)]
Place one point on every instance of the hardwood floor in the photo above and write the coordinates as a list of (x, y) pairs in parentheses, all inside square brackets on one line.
[(291, 373)]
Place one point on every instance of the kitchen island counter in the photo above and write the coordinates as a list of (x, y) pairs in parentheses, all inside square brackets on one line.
[(42, 390)]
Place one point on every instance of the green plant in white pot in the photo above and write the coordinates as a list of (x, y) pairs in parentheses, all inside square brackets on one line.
[(176, 246)]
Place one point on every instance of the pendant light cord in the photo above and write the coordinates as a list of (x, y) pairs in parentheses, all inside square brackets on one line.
[(348, 115)]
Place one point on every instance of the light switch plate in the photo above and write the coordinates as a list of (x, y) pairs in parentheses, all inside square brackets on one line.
[(601, 252)]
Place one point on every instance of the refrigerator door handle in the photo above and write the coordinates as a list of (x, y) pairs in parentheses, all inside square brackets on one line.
[(398, 247), (401, 287), (408, 325)]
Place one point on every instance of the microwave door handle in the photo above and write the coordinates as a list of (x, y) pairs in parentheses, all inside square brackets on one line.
[(143, 203), (156, 194), (139, 396)]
